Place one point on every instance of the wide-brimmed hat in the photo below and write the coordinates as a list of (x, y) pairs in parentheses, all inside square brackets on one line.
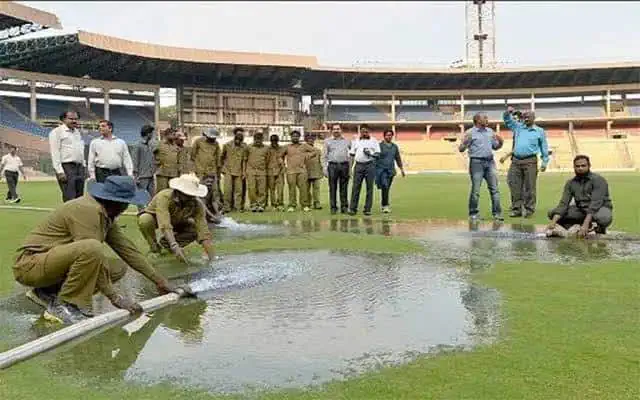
[(189, 184), (119, 188), (211, 133)]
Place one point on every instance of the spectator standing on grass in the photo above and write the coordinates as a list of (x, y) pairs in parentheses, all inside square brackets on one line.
[(232, 166), (144, 166), (529, 140), (275, 173), (11, 164), (364, 152), (166, 160), (108, 155), (296, 155), (255, 172), (593, 205), (337, 168), (386, 167), (67, 156), (205, 154), (314, 172), (480, 142)]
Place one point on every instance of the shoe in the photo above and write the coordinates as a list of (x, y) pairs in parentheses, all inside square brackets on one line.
[(334, 212), (317, 207), (367, 213), (291, 209), (18, 200), (529, 214), (474, 218), (515, 214), (260, 209), (386, 210), (344, 211), (352, 212), (63, 313), (498, 218), (40, 297), (306, 209)]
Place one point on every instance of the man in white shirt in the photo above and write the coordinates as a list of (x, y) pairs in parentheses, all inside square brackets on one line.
[(364, 152), (108, 155), (67, 156), (11, 164)]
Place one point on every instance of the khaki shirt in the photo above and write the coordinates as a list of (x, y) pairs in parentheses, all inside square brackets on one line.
[(257, 160), (80, 219), (276, 160), (206, 157), (296, 156), (232, 158), (314, 165), (170, 214), (166, 157), (185, 165)]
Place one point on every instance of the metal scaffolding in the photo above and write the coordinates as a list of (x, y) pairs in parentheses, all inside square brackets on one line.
[(480, 18)]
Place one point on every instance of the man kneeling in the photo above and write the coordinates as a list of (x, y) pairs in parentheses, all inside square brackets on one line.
[(63, 258), (592, 202), (179, 215)]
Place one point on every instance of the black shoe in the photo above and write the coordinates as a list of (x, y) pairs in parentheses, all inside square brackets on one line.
[(515, 214), (41, 297), (367, 213), (529, 214), (18, 200), (334, 212), (344, 211), (64, 313), (352, 212)]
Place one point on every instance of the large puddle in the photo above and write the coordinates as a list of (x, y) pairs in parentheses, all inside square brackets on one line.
[(292, 319)]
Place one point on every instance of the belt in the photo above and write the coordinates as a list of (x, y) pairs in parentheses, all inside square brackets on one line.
[(109, 169), (338, 162), (72, 162), (525, 157), (364, 163), (481, 158)]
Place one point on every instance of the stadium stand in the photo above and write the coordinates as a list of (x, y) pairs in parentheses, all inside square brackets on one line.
[(13, 118)]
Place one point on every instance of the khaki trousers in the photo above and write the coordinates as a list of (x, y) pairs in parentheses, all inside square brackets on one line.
[(233, 193), (313, 191), (275, 185), (298, 182), (257, 188), (79, 269), (185, 234)]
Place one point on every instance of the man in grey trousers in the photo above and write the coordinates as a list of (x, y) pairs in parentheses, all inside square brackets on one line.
[(144, 167), (529, 140)]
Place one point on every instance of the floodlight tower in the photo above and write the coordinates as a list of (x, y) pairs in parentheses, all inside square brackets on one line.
[(480, 18)]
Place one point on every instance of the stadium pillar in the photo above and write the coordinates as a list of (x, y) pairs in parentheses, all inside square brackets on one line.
[(220, 116), (533, 102), (325, 106), (608, 103), (33, 111), (194, 104), (179, 92), (461, 107), (106, 102), (156, 108), (393, 110), (428, 131)]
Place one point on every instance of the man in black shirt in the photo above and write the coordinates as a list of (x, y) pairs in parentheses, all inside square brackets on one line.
[(592, 202)]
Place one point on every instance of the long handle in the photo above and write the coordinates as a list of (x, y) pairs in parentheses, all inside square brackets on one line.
[(52, 340)]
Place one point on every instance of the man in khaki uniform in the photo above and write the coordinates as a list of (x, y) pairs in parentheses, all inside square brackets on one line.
[(296, 155), (232, 161), (64, 260), (179, 215), (185, 165), (314, 172), (275, 174), (257, 157), (166, 158), (205, 155)]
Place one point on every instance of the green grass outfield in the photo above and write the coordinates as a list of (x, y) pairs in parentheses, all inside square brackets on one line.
[(570, 332)]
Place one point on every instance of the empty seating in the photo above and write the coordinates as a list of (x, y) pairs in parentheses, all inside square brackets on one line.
[(127, 120), (12, 119), (420, 113), (568, 110), (358, 113)]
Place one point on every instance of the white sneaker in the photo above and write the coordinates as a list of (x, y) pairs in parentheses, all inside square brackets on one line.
[(290, 209), (386, 209), (306, 209)]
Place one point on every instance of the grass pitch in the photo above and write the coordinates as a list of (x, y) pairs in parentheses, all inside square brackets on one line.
[(570, 332)]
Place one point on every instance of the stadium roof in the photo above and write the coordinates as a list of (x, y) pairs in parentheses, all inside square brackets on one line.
[(113, 59), (13, 15)]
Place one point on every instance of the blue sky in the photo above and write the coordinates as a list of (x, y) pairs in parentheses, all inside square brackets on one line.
[(394, 33)]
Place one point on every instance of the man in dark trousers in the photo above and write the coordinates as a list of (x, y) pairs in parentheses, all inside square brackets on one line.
[(337, 166), (11, 165), (529, 140), (67, 156), (364, 152), (386, 167), (592, 202), (144, 166)]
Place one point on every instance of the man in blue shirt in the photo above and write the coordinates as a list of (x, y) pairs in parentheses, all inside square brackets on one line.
[(529, 140), (481, 141)]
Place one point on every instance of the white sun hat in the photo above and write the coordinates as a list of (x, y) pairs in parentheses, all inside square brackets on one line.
[(188, 184)]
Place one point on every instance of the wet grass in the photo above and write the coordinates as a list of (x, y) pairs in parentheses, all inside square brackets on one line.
[(570, 332)]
